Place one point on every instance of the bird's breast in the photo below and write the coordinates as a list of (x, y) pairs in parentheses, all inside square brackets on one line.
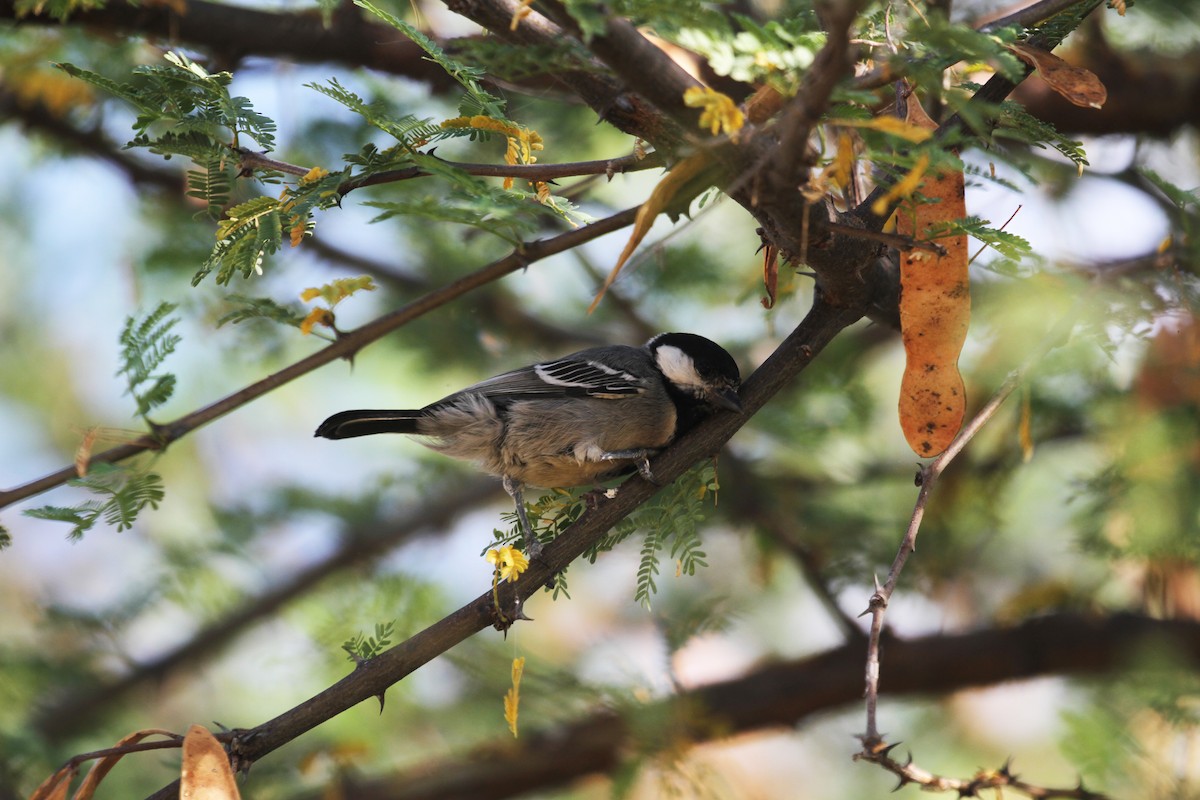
[(555, 444)]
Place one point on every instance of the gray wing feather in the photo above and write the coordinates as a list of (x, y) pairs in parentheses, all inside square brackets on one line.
[(565, 377)]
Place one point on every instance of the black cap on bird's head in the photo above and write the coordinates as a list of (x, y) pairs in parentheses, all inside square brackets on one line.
[(698, 367)]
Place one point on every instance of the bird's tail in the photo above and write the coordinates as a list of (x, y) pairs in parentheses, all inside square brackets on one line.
[(348, 424)]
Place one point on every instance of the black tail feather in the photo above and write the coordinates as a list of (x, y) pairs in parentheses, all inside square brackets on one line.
[(349, 424)]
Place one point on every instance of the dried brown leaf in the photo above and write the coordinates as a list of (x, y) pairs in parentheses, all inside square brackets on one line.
[(103, 766), (1076, 84), (658, 201), (57, 785), (206, 773)]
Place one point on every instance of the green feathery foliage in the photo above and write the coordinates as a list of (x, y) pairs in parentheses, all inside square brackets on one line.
[(251, 231), (676, 521), (776, 52), (248, 308), (672, 518), (664, 16), (124, 493), (1009, 245), (1014, 123), (407, 130), (182, 109), (477, 100), (1183, 199), (144, 347), (60, 10), (361, 647), (510, 217)]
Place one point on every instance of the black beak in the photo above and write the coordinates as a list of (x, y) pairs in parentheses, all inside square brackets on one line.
[(726, 398)]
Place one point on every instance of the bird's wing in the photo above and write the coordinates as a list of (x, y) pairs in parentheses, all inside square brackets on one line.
[(588, 377), (567, 377)]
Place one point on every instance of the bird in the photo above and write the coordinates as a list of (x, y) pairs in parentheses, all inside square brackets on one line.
[(573, 421)]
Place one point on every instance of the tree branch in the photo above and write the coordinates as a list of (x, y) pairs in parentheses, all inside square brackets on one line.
[(36, 117), (908, 545), (874, 748), (234, 32), (785, 694), (792, 158), (525, 172), (643, 66), (253, 160), (608, 97)]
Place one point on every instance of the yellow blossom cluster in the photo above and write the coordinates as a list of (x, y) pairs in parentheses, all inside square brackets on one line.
[(332, 293), (720, 115), (297, 225), (508, 561), (522, 142)]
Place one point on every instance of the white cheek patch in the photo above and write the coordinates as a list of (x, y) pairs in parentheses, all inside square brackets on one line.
[(678, 367)]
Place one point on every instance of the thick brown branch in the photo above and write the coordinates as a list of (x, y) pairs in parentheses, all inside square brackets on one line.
[(787, 693), (233, 32), (36, 117), (607, 96), (644, 67), (788, 168)]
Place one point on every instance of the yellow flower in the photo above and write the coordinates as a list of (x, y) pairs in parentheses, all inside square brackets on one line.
[(318, 316), (720, 113), (509, 562), (338, 290), (520, 143), (313, 175)]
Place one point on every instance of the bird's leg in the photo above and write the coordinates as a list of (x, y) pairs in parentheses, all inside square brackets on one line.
[(532, 545), (642, 457)]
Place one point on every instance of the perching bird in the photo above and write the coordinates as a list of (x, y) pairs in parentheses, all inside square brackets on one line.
[(569, 422)]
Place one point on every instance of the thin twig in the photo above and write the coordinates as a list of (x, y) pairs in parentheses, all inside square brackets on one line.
[(890, 239), (873, 743), (993, 779), (251, 160), (928, 479), (346, 346), (526, 172), (173, 742), (1028, 17)]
